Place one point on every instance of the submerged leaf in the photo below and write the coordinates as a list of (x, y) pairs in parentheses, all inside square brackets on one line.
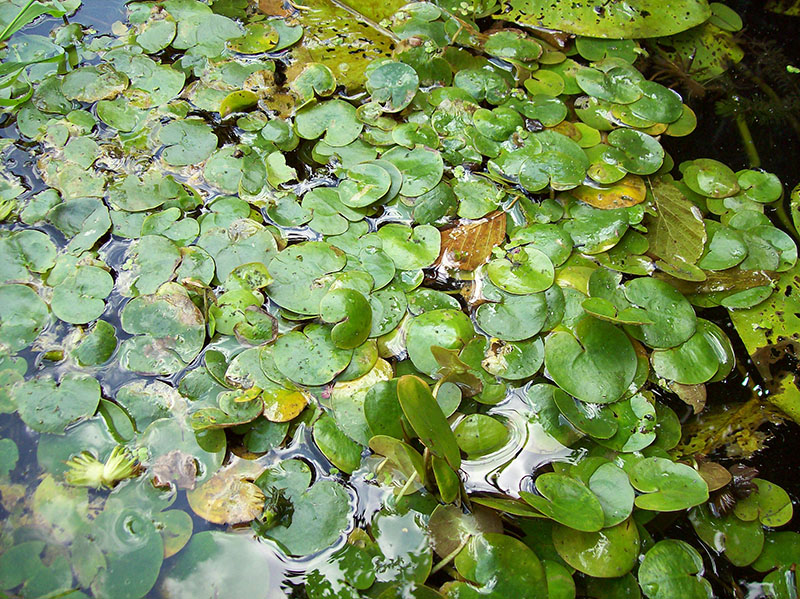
[(230, 496), (468, 245), (676, 232)]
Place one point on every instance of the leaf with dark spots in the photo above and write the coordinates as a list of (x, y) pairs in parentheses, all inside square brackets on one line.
[(771, 333)]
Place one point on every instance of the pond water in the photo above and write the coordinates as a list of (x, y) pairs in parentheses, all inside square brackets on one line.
[(258, 263)]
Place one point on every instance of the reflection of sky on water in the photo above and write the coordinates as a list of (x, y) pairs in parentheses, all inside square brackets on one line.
[(529, 447)]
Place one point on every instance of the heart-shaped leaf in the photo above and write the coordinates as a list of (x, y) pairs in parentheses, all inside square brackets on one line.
[(596, 365), (450, 329), (566, 500), (608, 553), (667, 486), (673, 568), (310, 357), (49, 408)]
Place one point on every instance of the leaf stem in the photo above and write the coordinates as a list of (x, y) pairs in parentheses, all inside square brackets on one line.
[(408, 484), (786, 221), (795, 124), (451, 556), (747, 140)]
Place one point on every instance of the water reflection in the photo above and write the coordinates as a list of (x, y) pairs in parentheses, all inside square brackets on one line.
[(510, 469)]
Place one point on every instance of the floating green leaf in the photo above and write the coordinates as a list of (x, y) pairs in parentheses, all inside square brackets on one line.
[(23, 315), (668, 486), (609, 553), (596, 365), (673, 569), (617, 20), (48, 407), (502, 566), (427, 419)]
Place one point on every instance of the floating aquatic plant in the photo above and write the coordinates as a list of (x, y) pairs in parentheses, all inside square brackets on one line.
[(421, 303)]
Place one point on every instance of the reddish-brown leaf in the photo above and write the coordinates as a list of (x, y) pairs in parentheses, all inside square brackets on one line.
[(693, 395), (468, 245), (273, 8), (716, 476)]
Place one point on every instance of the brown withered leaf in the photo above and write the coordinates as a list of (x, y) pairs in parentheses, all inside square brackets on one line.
[(175, 466), (558, 39), (716, 476), (693, 395), (470, 244), (273, 8), (628, 191), (568, 129)]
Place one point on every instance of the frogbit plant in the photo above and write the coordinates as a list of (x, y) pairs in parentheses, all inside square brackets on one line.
[(400, 300)]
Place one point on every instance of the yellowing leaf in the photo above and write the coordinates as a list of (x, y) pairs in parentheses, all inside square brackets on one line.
[(283, 405), (769, 332), (333, 36), (707, 50), (628, 191), (732, 427), (614, 19), (230, 496), (790, 8)]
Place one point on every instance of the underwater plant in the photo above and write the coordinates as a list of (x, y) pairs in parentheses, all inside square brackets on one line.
[(85, 470)]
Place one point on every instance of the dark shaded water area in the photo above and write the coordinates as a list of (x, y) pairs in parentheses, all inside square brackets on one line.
[(771, 42)]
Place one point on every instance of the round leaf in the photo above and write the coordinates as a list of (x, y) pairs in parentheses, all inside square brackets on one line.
[(673, 568), (597, 365), (667, 486), (609, 553)]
